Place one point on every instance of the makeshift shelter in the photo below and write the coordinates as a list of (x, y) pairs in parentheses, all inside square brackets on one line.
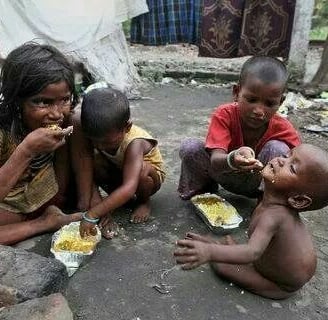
[(88, 31)]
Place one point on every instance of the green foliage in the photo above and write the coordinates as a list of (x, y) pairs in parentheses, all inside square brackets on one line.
[(319, 33), (126, 28), (320, 20), (320, 14)]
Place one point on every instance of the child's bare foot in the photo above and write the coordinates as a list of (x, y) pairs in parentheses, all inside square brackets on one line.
[(54, 218), (198, 237), (141, 213), (108, 227)]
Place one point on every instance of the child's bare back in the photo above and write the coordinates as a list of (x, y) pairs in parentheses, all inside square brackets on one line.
[(279, 257), (289, 259)]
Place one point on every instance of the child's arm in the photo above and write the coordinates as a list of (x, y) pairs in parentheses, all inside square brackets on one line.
[(82, 163), (62, 170), (39, 141), (242, 159), (133, 162), (191, 253)]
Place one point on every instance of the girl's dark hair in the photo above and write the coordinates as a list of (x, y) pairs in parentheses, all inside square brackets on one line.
[(102, 110), (26, 71), (265, 68)]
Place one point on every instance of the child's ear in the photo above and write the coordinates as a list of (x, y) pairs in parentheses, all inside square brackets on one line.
[(235, 92), (299, 202), (128, 126)]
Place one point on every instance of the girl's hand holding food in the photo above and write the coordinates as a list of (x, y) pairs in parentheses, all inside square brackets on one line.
[(43, 140)]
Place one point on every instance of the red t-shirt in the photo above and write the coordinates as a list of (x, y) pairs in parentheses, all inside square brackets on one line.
[(225, 131)]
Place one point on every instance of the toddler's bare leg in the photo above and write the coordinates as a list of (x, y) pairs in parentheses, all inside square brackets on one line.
[(149, 184), (247, 277), (51, 219)]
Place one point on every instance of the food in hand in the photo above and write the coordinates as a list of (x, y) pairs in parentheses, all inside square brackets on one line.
[(54, 127), (259, 164), (68, 131)]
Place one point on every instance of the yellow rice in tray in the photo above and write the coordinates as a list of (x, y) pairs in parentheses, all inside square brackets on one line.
[(218, 212), (70, 240)]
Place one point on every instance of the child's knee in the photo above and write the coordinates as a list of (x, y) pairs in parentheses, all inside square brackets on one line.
[(149, 181), (279, 147), (273, 149), (191, 147)]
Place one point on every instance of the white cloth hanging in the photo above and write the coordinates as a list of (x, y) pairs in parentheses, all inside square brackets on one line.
[(68, 25), (127, 9), (88, 30)]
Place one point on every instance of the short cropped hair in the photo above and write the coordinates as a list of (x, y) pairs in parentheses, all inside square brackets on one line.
[(102, 110), (267, 69)]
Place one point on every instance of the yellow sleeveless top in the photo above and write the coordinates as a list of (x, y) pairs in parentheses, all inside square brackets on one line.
[(154, 156)]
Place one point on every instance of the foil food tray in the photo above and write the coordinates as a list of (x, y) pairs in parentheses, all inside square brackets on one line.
[(73, 257), (226, 217)]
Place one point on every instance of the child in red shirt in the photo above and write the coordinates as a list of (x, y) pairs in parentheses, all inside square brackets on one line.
[(243, 136)]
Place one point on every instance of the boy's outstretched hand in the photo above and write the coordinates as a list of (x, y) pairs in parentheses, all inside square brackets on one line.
[(192, 253), (244, 159)]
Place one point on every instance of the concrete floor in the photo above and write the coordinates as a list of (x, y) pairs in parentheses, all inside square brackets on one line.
[(117, 283)]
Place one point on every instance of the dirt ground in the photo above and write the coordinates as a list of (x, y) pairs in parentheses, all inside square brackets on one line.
[(118, 281), (305, 117), (121, 275)]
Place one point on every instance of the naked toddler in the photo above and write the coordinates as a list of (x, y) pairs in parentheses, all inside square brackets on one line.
[(279, 257)]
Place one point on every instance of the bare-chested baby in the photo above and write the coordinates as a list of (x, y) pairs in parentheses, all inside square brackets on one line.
[(279, 257)]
